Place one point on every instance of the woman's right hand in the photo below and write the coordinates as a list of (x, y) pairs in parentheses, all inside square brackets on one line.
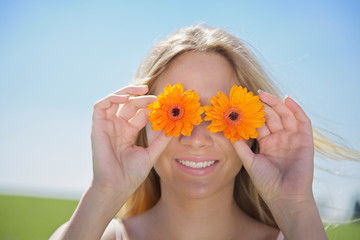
[(119, 165)]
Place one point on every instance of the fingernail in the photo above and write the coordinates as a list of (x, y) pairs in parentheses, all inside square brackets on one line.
[(259, 91)]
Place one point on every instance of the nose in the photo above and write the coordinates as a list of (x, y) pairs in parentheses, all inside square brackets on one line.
[(199, 138)]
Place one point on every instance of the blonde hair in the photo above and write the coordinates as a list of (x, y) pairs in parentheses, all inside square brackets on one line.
[(249, 73)]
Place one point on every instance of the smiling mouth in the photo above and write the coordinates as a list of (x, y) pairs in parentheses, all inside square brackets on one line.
[(193, 164)]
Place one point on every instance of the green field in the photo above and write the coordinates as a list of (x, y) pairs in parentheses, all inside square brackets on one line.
[(37, 218), (344, 232), (32, 218)]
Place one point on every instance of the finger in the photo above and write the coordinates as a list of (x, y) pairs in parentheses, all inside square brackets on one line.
[(244, 152), (263, 132), (299, 113), (129, 109), (157, 146), (129, 90), (140, 119), (287, 117), (133, 90), (111, 112), (104, 104), (273, 120)]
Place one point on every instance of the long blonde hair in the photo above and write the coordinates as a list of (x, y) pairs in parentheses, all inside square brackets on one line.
[(249, 73)]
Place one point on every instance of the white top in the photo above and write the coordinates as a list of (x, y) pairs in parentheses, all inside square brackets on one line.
[(120, 231)]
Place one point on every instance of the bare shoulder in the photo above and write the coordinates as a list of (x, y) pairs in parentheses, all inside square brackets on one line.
[(109, 233), (265, 231), (139, 226), (254, 229), (271, 233)]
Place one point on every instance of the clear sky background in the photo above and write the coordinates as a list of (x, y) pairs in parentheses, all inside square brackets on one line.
[(57, 58)]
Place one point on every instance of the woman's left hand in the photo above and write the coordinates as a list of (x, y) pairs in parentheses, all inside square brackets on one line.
[(283, 170)]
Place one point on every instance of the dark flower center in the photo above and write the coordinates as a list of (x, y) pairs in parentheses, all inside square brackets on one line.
[(175, 112), (233, 116)]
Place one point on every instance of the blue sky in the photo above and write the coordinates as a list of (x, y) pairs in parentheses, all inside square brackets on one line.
[(57, 58)]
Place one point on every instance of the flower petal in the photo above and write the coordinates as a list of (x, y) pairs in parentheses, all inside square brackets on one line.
[(172, 122), (242, 123)]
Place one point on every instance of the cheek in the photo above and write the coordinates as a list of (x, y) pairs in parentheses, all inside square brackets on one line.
[(230, 152)]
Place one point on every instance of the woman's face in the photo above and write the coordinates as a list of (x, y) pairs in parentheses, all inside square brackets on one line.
[(216, 159)]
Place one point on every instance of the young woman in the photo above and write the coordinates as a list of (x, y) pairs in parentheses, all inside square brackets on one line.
[(201, 186)]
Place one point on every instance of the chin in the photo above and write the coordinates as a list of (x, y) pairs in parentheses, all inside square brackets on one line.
[(197, 189)]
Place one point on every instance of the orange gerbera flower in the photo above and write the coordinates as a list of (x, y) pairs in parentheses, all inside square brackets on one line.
[(175, 111), (238, 116)]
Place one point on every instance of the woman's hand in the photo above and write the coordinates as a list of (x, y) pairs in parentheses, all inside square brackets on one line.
[(120, 166), (283, 170)]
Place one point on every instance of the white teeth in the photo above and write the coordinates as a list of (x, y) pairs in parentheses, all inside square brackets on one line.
[(196, 164)]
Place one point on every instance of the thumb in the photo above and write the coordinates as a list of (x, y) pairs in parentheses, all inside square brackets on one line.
[(157, 146), (244, 152)]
